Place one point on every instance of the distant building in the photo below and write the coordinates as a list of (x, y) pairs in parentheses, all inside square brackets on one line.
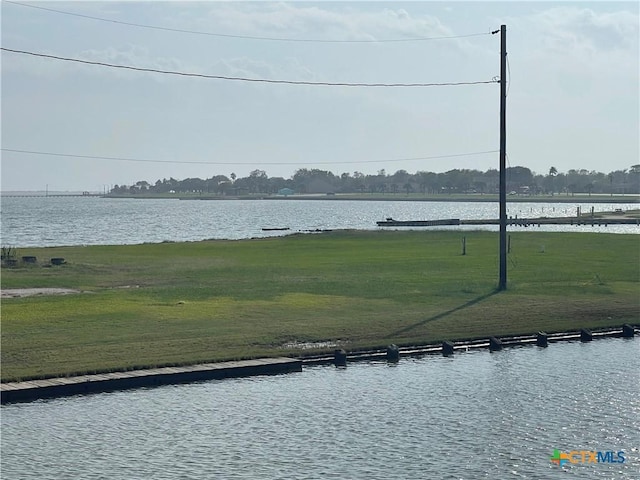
[(286, 192)]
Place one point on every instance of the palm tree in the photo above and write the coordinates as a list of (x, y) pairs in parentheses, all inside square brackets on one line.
[(553, 171)]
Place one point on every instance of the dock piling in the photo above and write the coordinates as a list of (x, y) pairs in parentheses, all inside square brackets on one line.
[(542, 339), (585, 335), (495, 344), (447, 349), (340, 358), (393, 353), (628, 331)]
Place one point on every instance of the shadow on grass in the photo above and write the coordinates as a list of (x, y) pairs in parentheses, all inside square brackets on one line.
[(439, 316)]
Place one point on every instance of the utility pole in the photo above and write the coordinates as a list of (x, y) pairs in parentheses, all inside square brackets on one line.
[(502, 285)]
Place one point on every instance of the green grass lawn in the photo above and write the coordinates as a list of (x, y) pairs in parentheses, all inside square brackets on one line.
[(172, 303)]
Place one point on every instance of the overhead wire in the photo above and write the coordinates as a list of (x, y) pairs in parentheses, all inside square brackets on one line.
[(246, 37), (243, 79), (195, 162)]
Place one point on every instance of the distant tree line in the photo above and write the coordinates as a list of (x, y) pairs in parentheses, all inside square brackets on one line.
[(520, 180)]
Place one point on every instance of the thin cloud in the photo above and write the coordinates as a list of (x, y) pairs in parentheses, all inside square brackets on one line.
[(582, 33), (601, 31), (297, 20)]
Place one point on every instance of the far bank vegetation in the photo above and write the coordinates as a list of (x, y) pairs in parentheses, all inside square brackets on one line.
[(520, 181)]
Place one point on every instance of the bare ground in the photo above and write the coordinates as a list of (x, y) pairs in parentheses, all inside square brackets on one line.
[(29, 292)]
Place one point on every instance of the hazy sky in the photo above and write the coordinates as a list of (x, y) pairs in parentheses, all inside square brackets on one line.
[(573, 99)]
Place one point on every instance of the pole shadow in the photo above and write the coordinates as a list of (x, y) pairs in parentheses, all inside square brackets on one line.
[(468, 304)]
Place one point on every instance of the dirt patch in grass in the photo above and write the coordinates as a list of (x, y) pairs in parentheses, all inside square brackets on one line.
[(297, 345), (30, 292)]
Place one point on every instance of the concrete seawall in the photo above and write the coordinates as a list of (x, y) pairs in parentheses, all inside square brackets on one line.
[(67, 386), (12, 392), (448, 348)]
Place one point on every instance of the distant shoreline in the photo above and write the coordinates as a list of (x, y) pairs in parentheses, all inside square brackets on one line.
[(488, 198)]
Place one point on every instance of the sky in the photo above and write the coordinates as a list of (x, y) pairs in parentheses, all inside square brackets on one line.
[(572, 99)]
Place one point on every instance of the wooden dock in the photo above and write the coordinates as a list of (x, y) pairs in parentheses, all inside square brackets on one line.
[(66, 386), (513, 222), (527, 222), (390, 222)]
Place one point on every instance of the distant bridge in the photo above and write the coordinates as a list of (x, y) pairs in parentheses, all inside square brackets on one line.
[(45, 195)]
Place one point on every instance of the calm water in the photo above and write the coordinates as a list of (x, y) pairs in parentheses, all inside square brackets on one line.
[(477, 415), (52, 221)]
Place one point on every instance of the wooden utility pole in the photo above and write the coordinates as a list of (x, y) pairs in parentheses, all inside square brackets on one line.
[(502, 285)]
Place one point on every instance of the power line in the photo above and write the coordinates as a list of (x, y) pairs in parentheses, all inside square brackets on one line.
[(246, 37), (245, 79), (192, 162)]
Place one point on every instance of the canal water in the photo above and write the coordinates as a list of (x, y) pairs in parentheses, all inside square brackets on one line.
[(476, 415), (54, 221)]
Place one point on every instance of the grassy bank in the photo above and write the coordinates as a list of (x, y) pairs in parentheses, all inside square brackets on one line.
[(171, 303)]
